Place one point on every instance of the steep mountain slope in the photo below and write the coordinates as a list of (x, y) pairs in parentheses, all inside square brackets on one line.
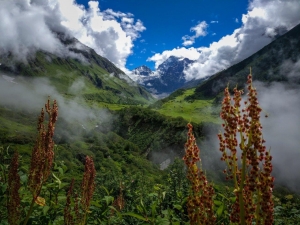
[(103, 80), (167, 78), (84, 85), (274, 62), (268, 64)]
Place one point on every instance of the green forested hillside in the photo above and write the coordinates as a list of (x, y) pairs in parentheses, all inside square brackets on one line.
[(103, 81)]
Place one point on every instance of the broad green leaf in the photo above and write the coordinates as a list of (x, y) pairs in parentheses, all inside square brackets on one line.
[(45, 209), (60, 171), (217, 202), (140, 217), (179, 207), (220, 210)]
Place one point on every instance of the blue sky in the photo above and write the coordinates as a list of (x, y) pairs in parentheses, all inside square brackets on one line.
[(167, 21), (214, 33)]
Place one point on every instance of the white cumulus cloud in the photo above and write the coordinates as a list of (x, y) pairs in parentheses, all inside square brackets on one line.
[(264, 20), (32, 25), (199, 29)]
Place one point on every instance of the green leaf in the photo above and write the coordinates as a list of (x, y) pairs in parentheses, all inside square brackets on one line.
[(164, 195), (61, 197), (233, 199), (117, 212), (96, 203), (23, 178), (105, 189), (220, 210), (153, 209), (61, 171), (179, 207), (4, 187), (45, 209), (135, 215), (152, 195), (217, 202), (108, 199)]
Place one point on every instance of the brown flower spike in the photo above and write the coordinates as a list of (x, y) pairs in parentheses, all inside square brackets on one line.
[(87, 187), (252, 174), (68, 217), (200, 200), (13, 206), (43, 154)]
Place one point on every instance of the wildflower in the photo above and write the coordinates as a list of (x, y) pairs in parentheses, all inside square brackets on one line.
[(43, 154), (87, 186), (200, 200), (68, 218), (13, 206), (119, 202), (253, 181)]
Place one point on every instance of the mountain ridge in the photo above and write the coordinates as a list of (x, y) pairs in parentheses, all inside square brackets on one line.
[(110, 84), (265, 65), (168, 77)]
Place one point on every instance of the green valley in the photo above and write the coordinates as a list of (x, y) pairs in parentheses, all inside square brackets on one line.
[(134, 142)]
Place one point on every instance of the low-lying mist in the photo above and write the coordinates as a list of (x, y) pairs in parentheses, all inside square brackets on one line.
[(30, 95)]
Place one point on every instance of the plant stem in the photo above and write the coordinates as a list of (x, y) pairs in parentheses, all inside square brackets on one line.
[(29, 212), (241, 199)]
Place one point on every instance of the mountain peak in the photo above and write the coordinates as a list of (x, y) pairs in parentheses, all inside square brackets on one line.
[(168, 77), (142, 71)]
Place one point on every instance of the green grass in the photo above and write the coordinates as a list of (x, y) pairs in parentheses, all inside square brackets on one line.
[(195, 111)]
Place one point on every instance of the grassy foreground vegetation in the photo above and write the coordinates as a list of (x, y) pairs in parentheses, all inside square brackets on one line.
[(195, 111), (106, 188)]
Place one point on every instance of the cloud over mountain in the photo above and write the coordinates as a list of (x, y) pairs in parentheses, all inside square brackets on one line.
[(32, 25), (264, 21)]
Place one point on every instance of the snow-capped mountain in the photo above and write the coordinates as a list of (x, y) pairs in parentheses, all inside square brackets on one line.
[(171, 71), (142, 71), (167, 78)]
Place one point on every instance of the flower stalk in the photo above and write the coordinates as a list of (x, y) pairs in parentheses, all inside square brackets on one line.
[(13, 206), (87, 187), (42, 154), (200, 200), (252, 173)]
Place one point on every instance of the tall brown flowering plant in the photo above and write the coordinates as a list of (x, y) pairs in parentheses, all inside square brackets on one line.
[(42, 154), (252, 173), (87, 187), (69, 219), (119, 202), (13, 204), (78, 215), (200, 200)]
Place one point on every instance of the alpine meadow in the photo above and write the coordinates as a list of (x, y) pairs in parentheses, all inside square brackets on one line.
[(106, 119)]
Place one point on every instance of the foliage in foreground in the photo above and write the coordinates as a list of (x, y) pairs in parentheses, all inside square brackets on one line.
[(39, 194)]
